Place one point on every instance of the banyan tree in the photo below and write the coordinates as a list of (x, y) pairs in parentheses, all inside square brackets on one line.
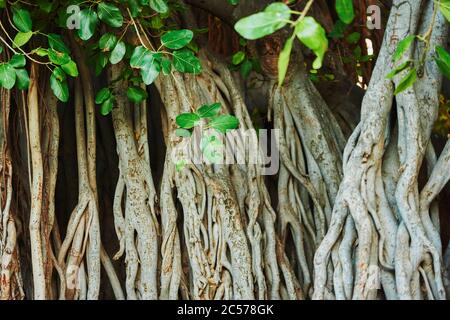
[(224, 149)]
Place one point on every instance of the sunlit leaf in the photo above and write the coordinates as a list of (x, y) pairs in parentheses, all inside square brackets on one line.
[(185, 61), (261, 24), (238, 57), (208, 111), (187, 120), (22, 38), (345, 11), (283, 60), (402, 47), (312, 35), (88, 24), (407, 81), (7, 76), (224, 123)]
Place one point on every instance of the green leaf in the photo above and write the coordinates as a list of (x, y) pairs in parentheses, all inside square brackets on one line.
[(443, 61), (55, 42), (2, 5), (233, 2), (101, 59), (22, 20), (136, 94), (312, 35), (180, 132), (445, 68), (159, 6), (398, 69), (140, 57), (57, 57), (345, 11), (102, 95), (59, 86), (59, 74), (283, 60), (353, 37), (443, 55), (107, 42), (88, 24), (187, 120), (238, 57), (107, 106), (177, 39), (338, 30), (110, 14), (22, 38), (7, 76), (150, 71), (444, 6), (166, 66), (246, 68), (18, 61), (280, 9), (193, 46), (118, 53), (135, 7), (185, 61), (402, 47), (145, 60), (22, 79), (261, 24), (41, 52), (70, 68), (208, 111), (407, 81), (224, 123)]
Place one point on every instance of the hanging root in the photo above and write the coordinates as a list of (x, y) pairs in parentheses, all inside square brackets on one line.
[(10, 278), (310, 143), (393, 227), (37, 180), (73, 248), (213, 231), (138, 228), (229, 229)]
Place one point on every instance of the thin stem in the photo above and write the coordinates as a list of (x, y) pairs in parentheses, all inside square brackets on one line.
[(6, 43), (136, 29), (20, 49), (305, 11)]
